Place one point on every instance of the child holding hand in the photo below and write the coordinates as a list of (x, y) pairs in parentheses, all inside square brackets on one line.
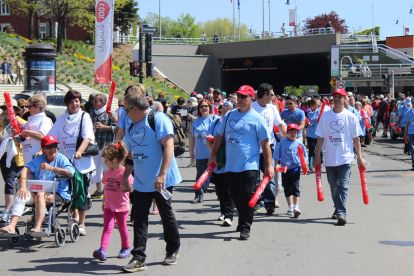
[(115, 204)]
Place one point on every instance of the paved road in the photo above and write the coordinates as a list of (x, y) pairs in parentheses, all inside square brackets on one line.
[(378, 240)]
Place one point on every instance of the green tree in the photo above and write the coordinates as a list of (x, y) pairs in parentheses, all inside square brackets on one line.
[(375, 30), (223, 27), (125, 15), (30, 9)]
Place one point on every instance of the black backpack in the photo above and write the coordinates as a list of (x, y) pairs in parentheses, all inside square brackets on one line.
[(180, 138)]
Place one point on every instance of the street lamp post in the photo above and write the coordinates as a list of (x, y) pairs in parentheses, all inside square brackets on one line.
[(159, 17)]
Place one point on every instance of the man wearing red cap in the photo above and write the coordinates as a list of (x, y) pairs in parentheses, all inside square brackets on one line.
[(43, 167), (244, 131), (338, 131)]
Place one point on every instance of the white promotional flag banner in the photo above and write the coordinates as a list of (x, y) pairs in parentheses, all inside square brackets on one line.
[(104, 22), (292, 17)]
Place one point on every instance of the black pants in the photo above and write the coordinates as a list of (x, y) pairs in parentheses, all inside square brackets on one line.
[(242, 188), (290, 182), (10, 175), (142, 204), (223, 191)]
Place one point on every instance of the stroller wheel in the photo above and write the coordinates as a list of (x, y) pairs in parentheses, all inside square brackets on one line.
[(74, 232), (60, 236), (15, 239)]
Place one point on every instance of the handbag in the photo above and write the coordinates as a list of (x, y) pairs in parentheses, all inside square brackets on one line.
[(92, 148)]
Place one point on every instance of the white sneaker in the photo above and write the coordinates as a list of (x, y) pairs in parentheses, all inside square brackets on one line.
[(6, 217), (290, 212), (227, 222), (82, 230), (221, 218), (192, 163)]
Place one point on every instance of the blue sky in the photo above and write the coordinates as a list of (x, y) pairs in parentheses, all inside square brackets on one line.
[(357, 13)]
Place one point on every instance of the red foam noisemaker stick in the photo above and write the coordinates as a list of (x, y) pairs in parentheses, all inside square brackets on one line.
[(210, 139), (276, 129), (322, 110), (206, 174), (303, 163), (259, 191), (366, 122), (281, 169), (364, 186), (12, 117), (318, 175), (215, 110), (111, 96)]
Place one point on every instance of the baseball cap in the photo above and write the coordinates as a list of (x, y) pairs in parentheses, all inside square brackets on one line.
[(199, 96), (381, 96), (341, 92), (217, 90), (246, 90), (292, 126), (48, 140)]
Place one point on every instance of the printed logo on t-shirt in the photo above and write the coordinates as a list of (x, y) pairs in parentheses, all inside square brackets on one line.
[(337, 126), (112, 184), (237, 126), (137, 137), (140, 156)]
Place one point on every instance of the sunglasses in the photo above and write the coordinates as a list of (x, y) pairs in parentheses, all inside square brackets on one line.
[(127, 110), (54, 146), (24, 106), (289, 103), (241, 96)]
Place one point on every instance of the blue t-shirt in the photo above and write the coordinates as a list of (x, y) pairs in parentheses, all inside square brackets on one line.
[(60, 161), (403, 116), (287, 153), (147, 152), (409, 121), (313, 122), (124, 121), (244, 132), (213, 131), (201, 126), (293, 117)]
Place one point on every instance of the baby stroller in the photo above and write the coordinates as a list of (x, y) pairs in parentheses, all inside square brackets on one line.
[(51, 225)]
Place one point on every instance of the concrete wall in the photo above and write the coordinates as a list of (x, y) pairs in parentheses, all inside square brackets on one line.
[(271, 47), (189, 72), (174, 50)]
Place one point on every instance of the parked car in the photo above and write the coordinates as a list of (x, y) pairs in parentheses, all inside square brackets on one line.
[(55, 102), (395, 129)]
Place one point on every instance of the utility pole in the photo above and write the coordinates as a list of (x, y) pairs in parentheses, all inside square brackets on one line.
[(263, 19), (159, 17), (140, 49), (269, 16)]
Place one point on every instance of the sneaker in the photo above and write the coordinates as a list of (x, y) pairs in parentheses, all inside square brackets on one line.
[(244, 235), (335, 215), (196, 200), (384, 136), (82, 230), (289, 212), (97, 195), (341, 220), (221, 218), (99, 254), (5, 218), (238, 228), (124, 253), (171, 259), (270, 210), (192, 163), (227, 222), (296, 213), (134, 266)]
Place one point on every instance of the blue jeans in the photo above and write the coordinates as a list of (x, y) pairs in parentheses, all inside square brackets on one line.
[(411, 145), (201, 166), (338, 178)]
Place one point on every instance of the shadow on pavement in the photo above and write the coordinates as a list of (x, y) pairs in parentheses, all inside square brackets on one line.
[(398, 243), (72, 265), (397, 194)]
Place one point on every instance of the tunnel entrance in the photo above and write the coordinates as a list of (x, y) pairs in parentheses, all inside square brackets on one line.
[(279, 71)]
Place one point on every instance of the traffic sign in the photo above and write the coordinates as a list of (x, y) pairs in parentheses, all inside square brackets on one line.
[(340, 84)]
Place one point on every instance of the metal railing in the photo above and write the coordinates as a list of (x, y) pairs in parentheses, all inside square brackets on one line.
[(122, 38), (378, 70), (380, 48), (351, 38)]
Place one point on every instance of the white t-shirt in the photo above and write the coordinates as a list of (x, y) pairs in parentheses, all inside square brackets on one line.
[(66, 130), (271, 115), (38, 122), (338, 131)]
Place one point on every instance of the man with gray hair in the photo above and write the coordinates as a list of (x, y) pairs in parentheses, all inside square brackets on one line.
[(150, 143), (104, 128)]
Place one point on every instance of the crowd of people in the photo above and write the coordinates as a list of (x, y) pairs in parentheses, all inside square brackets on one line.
[(245, 134), (10, 75)]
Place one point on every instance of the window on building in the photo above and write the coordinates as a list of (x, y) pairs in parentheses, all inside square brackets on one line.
[(3, 27), (4, 7)]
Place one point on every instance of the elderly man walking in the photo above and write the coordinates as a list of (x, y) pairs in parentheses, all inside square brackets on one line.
[(150, 143), (244, 132)]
